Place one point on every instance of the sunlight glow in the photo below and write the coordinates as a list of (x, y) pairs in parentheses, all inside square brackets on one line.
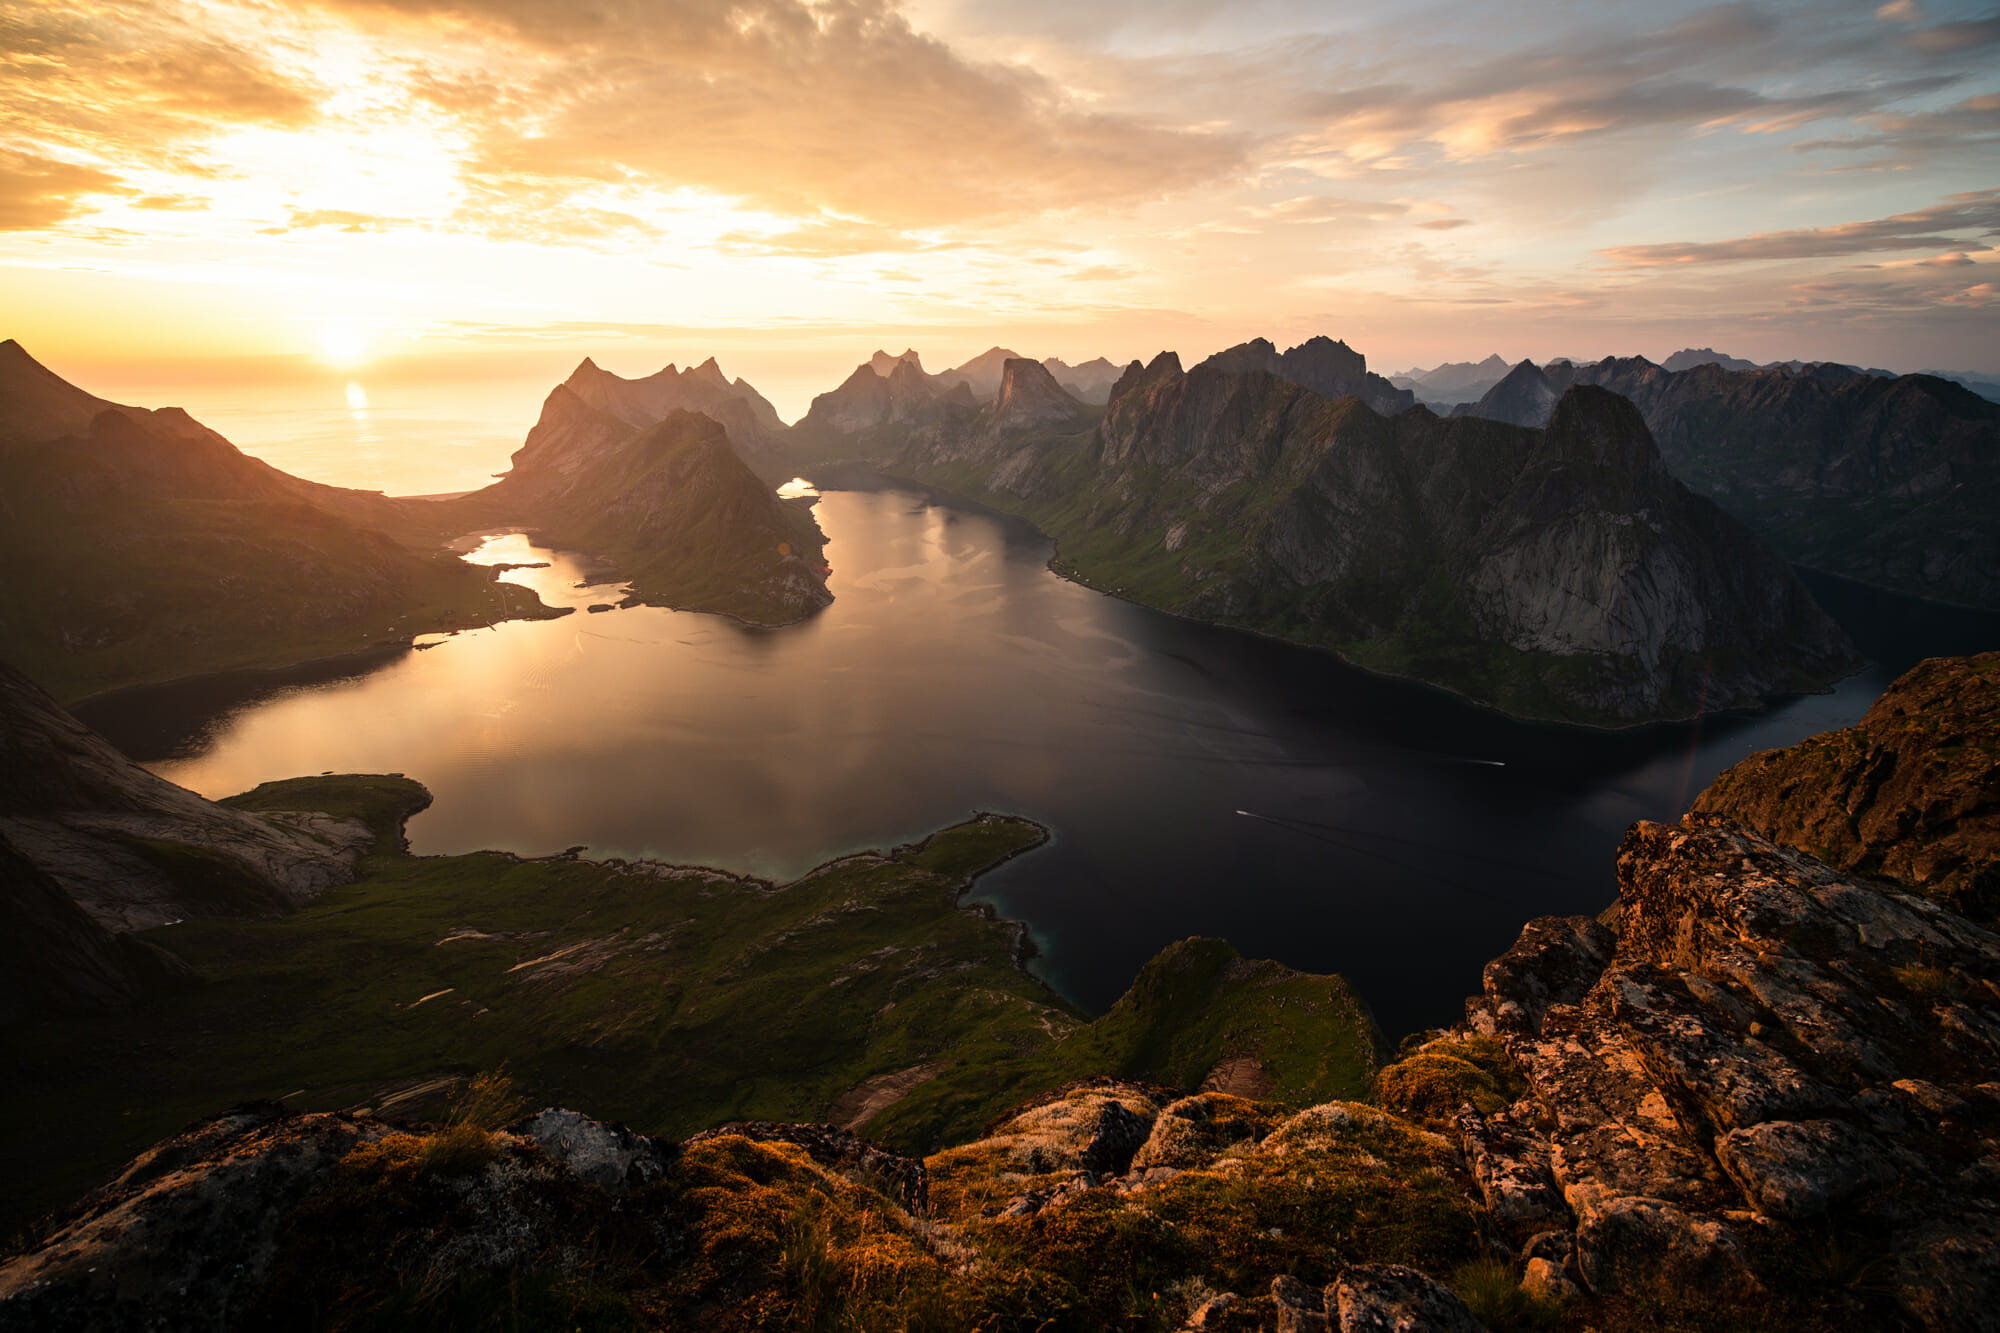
[(346, 346)]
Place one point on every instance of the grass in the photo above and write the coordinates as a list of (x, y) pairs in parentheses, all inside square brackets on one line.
[(669, 999)]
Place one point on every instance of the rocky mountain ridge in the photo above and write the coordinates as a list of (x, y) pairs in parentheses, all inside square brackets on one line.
[(1889, 481), (1330, 369), (1559, 574), (149, 547)]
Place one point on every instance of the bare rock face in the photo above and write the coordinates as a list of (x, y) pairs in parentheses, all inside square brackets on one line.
[(1030, 399), (1771, 1045), (609, 1156), (186, 1232), (1911, 793), (839, 1149), (1389, 1298), (1889, 480), (134, 850), (1556, 573)]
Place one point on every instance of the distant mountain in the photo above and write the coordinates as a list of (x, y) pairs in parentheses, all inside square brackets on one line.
[(1525, 396), (1089, 382), (1893, 482), (869, 400), (146, 546), (982, 374), (885, 365), (1690, 357), (1330, 369), (752, 423), (1453, 382), (1555, 573), (1986, 386), (672, 506)]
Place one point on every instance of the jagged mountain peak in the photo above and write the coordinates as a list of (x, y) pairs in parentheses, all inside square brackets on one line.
[(1030, 397), (710, 372), (885, 365)]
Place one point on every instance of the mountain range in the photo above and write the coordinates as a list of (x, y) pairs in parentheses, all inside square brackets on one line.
[(149, 547), (1890, 481), (1557, 573)]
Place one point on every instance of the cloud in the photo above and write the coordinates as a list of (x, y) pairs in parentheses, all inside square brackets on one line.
[(828, 238), (1955, 37), (1984, 294), (302, 219), (1445, 224), (36, 192), (138, 81), (1927, 228), (1956, 259), (838, 106), (172, 203)]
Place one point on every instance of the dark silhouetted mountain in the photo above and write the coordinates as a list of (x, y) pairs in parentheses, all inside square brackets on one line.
[(1089, 382), (1986, 386), (134, 850), (1690, 357), (1330, 369), (1557, 573), (673, 507), (1524, 396), (146, 546), (752, 423), (1889, 481), (1453, 382), (149, 547), (983, 373)]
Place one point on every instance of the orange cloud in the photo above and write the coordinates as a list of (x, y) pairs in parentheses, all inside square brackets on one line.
[(37, 192)]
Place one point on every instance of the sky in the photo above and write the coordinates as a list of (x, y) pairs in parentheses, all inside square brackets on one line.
[(426, 190)]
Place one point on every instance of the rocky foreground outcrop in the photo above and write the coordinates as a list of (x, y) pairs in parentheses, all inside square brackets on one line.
[(134, 850), (1767, 1053), (1911, 793)]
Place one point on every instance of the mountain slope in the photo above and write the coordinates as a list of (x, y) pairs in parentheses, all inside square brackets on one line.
[(134, 850), (752, 423), (1558, 574), (1891, 482), (673, 507), (1330, 369), (146, 546)]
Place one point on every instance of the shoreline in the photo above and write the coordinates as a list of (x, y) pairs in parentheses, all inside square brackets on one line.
[(1070, 574)]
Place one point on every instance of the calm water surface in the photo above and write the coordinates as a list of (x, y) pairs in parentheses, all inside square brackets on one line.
[(1197, 780)]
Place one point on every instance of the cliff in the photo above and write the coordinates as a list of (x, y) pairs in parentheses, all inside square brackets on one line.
[(1890, 481), (1910, 794), (1558, 573), (752, 424), (1330, 369), (672, 506), (147, 547), (134, 850)]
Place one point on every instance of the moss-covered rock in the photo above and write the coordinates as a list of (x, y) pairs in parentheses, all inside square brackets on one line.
[(1910, 793)]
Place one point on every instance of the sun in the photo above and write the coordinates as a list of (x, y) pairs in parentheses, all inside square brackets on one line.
[(344, 345)]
